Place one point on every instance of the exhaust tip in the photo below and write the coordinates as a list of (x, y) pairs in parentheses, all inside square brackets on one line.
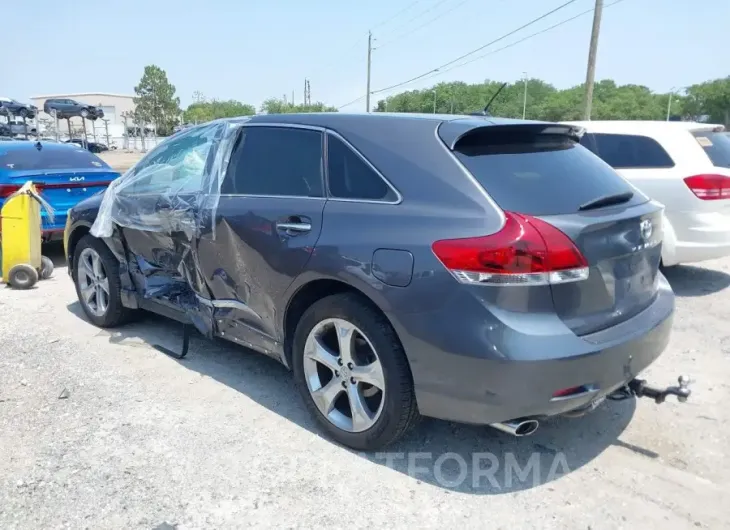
[(520, 427), (526, 428)]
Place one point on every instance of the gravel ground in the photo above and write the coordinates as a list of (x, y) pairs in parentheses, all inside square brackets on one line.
[(100, 430), (120, 160)]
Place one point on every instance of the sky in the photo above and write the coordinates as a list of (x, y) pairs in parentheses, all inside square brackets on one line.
[(253, 50)]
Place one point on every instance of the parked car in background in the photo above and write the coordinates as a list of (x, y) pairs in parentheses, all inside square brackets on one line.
[(64, 175), (12, 107), (486, 271), (18, 127), (69, 108), (94, 147), (683, 165)]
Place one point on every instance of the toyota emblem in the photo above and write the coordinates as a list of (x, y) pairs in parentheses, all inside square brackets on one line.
[(646, 229)]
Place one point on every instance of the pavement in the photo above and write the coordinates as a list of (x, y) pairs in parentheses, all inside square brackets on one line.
[(98, 429)]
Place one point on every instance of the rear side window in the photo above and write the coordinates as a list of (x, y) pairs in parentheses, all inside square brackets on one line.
[(538, 174), (716, 146), (350, 177), (627, 151), (69, 157), (276, 161)]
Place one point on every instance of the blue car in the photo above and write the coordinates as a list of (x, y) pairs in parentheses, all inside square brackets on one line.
[(65, 174)]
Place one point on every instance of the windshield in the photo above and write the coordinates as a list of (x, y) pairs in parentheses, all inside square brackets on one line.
[(49, 159), (716, 146)]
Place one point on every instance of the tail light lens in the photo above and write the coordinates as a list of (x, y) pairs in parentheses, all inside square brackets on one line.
[(526, 251), (709, 187), (6, 190)]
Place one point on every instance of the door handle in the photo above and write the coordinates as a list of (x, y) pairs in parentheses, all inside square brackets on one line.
[(294, 227)]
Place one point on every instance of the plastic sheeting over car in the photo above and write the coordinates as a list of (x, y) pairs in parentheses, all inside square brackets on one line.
[(160, 208), (185, 179)]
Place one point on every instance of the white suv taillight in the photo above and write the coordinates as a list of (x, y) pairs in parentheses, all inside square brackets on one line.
[(709, 187)]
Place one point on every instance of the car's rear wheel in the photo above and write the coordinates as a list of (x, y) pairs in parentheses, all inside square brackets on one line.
[(352, 372), (96, 276)]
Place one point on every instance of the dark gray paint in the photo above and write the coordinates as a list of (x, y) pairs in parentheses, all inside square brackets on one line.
[(477, 354)]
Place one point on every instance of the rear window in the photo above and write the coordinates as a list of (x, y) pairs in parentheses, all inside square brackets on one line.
[(716, 145), (628, 151), (33, 159), (538, 174)]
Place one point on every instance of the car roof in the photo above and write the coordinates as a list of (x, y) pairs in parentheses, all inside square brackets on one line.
[(643, 127), (325, 119), (26, 145)]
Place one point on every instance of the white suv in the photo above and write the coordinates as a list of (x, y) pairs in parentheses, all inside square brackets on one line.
[(683, 165)]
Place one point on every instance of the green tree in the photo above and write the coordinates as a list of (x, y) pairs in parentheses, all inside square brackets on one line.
[(212, 110), (545, 102), (156, 102), (711, 98), (281, 106)]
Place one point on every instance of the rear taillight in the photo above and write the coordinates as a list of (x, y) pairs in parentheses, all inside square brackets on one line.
[(6, 190), (709, 187), (526, 251)]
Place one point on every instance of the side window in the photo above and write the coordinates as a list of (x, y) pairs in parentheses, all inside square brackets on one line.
[(350, 177), (175, 166), (623, 151), (276, 161)]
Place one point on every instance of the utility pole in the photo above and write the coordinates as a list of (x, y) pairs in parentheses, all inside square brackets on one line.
[(669, 103), (434, 102), (524, 99), (591, 71), (370, 53)]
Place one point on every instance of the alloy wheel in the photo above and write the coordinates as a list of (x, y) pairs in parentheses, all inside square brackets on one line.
[(344, 375), (93, 282)]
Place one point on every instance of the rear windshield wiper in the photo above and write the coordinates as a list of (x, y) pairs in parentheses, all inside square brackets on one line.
[(607, 200)]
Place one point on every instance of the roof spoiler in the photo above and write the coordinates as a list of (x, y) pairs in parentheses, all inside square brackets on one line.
[(453, 132)]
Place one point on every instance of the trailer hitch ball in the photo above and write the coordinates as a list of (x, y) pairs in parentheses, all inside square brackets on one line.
[(640, 388)]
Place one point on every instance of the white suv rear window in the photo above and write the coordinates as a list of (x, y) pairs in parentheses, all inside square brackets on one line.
[(716, 146)]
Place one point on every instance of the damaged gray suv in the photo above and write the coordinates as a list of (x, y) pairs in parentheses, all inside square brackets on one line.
[(480, 270)]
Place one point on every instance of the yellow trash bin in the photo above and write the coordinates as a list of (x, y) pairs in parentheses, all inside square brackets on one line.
[(20, 239)]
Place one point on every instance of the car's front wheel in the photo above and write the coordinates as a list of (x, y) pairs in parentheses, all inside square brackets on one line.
[(96, 276), (352, 372), (84, 113)]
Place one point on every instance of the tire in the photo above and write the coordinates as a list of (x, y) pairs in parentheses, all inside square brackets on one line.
[(23, 113), (46, 267), (22, 276), (84, 113), (113, 313), (397, 410)]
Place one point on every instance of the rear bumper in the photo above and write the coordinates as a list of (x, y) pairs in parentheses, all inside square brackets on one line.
[(692, 237), (484, 388)]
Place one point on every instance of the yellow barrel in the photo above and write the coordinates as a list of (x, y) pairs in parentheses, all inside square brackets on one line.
[(20, 234)]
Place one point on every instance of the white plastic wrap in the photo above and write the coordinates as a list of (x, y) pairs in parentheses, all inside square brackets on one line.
[(174, 187)]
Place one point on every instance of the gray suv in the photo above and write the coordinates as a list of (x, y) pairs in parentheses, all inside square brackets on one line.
[(481, 270)]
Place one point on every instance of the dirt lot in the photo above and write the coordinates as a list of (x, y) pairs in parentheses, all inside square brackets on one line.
[(100, 430), (120, 160)]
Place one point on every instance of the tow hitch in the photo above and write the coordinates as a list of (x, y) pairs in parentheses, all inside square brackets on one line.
[(639, 388)]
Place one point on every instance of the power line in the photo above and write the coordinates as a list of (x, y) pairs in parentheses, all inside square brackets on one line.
[(476, 49), (351, 102), (424, 12), (399, 13), (359, 40), (528, 37), (427, 23)]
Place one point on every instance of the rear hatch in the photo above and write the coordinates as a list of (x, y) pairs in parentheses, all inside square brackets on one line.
[(64, 177), (602, 262)]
